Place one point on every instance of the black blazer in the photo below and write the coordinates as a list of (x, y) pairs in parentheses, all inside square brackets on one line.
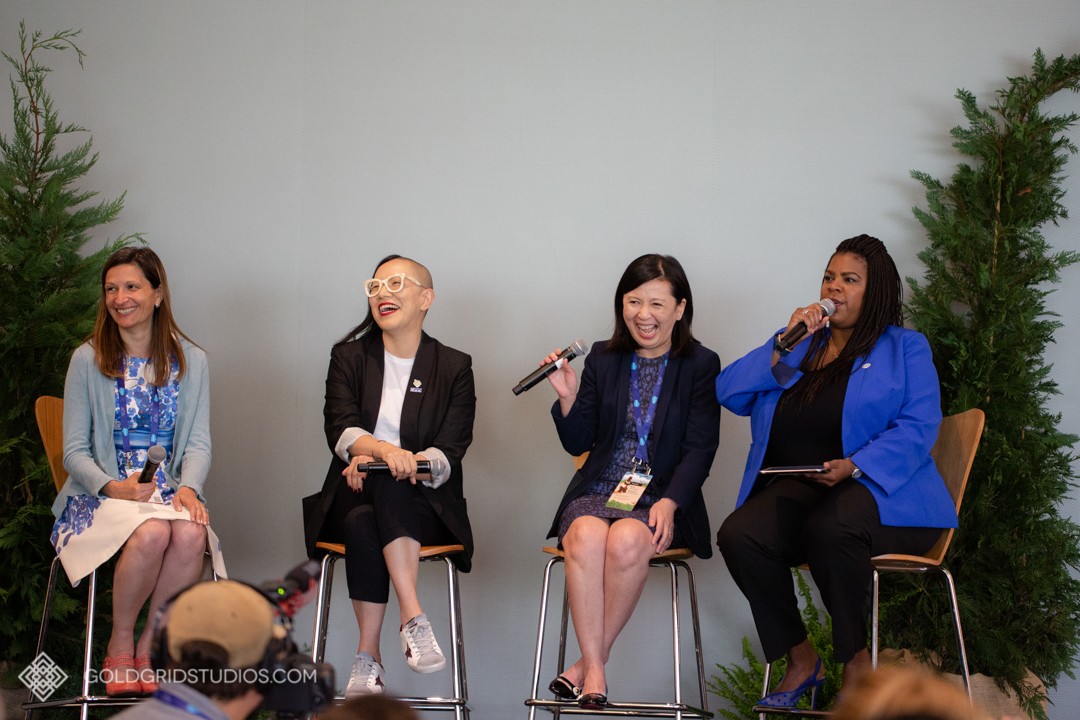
[(682, 442), (439, 415)]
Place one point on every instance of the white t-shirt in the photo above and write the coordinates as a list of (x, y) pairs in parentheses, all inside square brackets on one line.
[(396, 374)]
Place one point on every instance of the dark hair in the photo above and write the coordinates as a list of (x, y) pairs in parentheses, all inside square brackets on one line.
[(882, 305), (369, 325), (640, 271), (165, 336), (370, 707), (205, 667)]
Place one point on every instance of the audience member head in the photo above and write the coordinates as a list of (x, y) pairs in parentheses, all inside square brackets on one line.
[(220, 638), (895, 692), (675, 320), (371, 707)]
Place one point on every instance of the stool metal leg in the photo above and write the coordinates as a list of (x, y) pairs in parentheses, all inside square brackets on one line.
[(540, 636), (88, 653), (699, 655), (457, 654), (951, 585), (563, 625), (676, 655), (322, 607), (765, 686), (959, 630), (50, 591), (876, 580)]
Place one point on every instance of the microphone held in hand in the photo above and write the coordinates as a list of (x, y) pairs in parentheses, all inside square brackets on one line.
[(578, 347), (422, 466), (154, 457), (796, 333)]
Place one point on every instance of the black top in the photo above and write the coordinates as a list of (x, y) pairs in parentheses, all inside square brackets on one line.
[(808, 433)]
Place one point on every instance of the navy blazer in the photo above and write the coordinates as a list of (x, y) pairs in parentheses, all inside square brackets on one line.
[(440, 415), (684, 435)]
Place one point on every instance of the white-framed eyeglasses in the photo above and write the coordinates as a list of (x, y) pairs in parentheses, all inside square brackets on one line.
[(394, 283)]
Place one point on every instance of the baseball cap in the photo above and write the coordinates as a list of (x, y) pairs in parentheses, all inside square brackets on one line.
[(230, 614)]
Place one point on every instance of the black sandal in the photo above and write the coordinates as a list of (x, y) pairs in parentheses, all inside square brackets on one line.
[(564, 689), (593, 701)]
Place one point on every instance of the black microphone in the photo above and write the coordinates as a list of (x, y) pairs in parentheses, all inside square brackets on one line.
[(154, 457), (578, 347), (422, 466), (795, 334)]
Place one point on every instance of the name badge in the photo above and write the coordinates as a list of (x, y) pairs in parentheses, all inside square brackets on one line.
[(629, 491)]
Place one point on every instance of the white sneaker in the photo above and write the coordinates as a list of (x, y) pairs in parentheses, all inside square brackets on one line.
[(421, 650), (366, 677)]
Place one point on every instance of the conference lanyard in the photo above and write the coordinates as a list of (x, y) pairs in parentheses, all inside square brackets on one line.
[(177, 702), (643, 418)]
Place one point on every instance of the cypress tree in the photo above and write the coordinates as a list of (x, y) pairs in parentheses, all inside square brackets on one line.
[(982, 304), (50, 290)]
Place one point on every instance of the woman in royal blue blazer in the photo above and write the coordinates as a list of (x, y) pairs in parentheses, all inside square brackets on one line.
[(859, 397), (644, 410)]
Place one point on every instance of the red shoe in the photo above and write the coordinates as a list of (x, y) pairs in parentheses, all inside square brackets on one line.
[(120, 677), (146, 674)]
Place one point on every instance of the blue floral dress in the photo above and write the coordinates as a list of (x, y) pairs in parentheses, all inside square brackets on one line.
[(92, 528)]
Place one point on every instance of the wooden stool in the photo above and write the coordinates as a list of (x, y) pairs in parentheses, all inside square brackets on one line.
[(459, 703)]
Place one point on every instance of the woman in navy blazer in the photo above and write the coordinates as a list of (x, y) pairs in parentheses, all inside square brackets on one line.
[(396, 395), (860, 398), (652, 357)]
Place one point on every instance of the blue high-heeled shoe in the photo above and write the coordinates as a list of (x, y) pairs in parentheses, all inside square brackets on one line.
[(789, 698)]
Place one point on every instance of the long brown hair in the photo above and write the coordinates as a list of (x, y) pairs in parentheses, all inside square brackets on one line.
[(165, 335)]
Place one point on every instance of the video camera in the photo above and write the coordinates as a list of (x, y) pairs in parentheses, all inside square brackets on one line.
[(299, 686)]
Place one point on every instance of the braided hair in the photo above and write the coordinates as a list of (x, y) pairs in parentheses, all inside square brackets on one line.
[(882, 305)]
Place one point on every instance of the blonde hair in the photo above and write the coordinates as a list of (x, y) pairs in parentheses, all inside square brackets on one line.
[(901, 693)]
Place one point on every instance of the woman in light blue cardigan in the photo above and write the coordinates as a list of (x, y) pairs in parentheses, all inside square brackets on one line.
[(137, 382), (858, 397)]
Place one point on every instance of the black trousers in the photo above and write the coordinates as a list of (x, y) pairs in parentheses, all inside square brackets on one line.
[(369, 520), (835, 530)]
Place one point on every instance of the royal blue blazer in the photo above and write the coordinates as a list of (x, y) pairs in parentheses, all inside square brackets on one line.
[(891, 415), (684, 435)]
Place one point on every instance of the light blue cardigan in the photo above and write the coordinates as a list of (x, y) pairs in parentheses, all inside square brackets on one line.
[(892, 410), (90, 404)]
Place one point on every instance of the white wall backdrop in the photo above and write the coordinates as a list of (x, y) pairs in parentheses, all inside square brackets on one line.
[(273, 151)]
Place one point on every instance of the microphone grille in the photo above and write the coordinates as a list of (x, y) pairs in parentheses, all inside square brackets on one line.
[(436, 466), (156, 454), (580, 347), (828, 306)]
